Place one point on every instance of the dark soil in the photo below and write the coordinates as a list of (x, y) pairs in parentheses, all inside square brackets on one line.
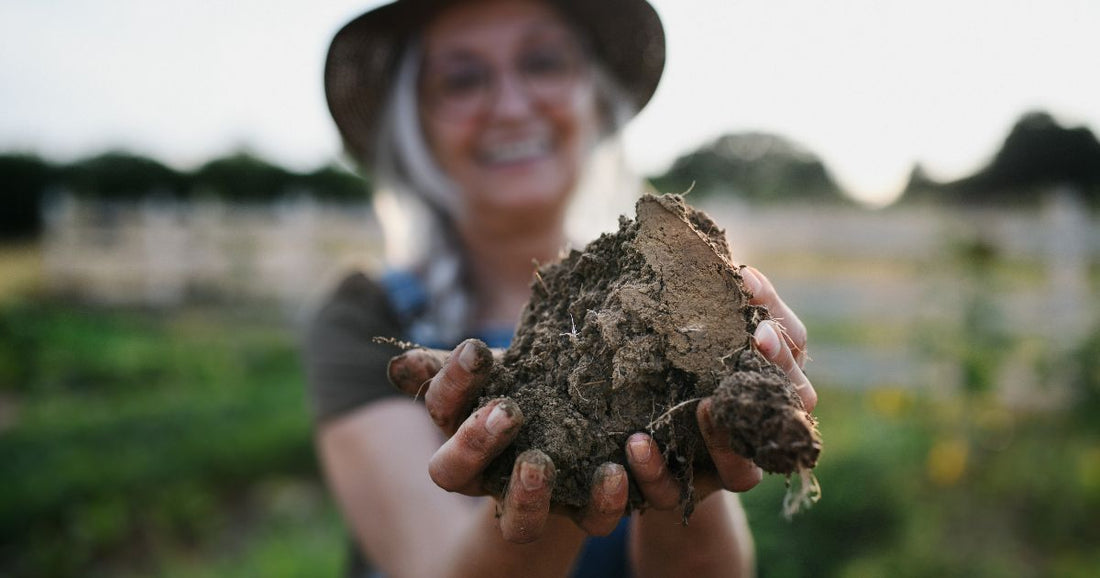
[(627, 336)]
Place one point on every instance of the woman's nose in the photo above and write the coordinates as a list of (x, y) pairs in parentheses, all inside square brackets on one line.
[(512, 98)]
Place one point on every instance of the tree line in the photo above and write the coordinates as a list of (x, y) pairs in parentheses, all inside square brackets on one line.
[(1038, 153), (26, 179), (754, 166)]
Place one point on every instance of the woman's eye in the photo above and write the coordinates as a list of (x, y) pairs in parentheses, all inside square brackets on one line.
[(462, 81), (546, 62)]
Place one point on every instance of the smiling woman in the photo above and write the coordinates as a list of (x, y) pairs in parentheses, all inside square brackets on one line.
[(479, 120)]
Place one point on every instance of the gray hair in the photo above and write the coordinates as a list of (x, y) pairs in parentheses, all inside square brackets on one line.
[(416, 201)]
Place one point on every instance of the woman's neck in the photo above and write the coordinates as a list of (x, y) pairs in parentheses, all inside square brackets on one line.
[(502, 266)]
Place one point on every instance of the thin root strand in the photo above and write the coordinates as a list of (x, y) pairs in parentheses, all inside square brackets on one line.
[(666, 417), (803, 493)]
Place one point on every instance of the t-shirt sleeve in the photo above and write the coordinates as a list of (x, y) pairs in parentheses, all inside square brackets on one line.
[(345, 368)]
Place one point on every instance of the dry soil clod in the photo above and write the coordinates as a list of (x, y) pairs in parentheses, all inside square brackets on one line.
[(658, 318)]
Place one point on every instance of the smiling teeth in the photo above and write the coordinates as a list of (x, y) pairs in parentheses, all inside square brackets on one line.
[(517, 151)]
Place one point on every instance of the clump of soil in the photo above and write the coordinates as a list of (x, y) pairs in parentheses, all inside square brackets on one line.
[(628, 335)]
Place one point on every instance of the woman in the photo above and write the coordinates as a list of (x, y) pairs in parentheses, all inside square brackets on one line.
[(480, 117)]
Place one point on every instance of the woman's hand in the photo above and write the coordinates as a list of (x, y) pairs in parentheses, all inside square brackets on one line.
[(782, 341), (450, 384)]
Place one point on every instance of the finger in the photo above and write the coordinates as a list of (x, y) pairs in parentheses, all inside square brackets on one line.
[(771, 346), (411, 370), (737, 473), (648, 468), (526, 503), (764, 293), (458, 464), (453, 389), (608, 501)]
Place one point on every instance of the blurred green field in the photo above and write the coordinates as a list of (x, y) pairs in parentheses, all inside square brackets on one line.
[(176, 443), (138, 442)]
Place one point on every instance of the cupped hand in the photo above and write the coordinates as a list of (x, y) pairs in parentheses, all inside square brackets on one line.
[(450, 383), (781, 340)]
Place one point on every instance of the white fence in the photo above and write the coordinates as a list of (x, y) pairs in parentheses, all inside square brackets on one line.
[(895, 270), (163, 253), (899, 271)]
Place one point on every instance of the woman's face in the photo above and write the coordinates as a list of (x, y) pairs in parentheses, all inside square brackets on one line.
[(507, 103)]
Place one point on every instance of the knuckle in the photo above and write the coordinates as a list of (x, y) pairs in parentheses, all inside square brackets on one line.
[(440, 417), (447, 388), (477, 446), (784, 358), (442, 475), (791, 366)]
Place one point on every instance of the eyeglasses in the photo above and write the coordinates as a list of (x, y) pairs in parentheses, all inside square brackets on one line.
[(463, 86)]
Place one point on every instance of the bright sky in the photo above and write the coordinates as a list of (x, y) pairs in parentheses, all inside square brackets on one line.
[(872, 86)]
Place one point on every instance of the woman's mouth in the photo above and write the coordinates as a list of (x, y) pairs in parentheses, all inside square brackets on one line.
[(516, 151)]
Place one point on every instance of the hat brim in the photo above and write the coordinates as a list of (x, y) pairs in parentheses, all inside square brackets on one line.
[(626, 36)]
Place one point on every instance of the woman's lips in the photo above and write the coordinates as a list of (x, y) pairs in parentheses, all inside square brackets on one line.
[(515, 151)]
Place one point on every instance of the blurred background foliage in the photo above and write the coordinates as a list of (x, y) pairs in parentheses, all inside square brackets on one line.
[(754, 167), (135, 438), (28, 180), (143, 443), (174, 440)]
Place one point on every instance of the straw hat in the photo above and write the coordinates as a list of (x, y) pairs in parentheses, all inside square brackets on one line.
[(626, 35)]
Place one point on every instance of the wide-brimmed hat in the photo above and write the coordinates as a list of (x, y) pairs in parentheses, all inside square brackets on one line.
[(626, 36)]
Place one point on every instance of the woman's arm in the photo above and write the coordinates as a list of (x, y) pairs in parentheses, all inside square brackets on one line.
[(375, 460)]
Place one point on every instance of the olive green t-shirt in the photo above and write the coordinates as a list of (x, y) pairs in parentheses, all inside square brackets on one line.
[(345, 367)]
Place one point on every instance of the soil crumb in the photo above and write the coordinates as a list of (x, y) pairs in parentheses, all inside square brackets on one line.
[(627, 336)]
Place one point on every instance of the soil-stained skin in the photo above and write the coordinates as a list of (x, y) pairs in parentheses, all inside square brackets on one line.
[(626, 336)]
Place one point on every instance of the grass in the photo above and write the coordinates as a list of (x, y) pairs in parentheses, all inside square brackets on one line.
[(176, 444), (137, 433), (916, 486)]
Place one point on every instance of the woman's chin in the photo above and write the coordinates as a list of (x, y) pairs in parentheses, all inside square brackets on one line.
[(527, 192), (520, 200)]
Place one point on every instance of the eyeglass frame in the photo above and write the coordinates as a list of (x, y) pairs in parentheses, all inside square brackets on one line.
[(579, 69)]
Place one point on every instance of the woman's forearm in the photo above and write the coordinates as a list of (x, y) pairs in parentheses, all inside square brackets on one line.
[(716, 542)]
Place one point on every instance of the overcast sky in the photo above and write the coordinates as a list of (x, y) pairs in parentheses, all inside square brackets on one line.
[(872, 86)]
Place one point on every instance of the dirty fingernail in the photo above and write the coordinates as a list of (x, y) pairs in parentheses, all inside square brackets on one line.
[(752, 282), (397, 369), (467, 357), (614, 476), (767, 340), (500, 419), (639, 450), (532, 476)]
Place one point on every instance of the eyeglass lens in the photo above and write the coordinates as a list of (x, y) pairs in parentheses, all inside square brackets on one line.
[(460, 85)]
